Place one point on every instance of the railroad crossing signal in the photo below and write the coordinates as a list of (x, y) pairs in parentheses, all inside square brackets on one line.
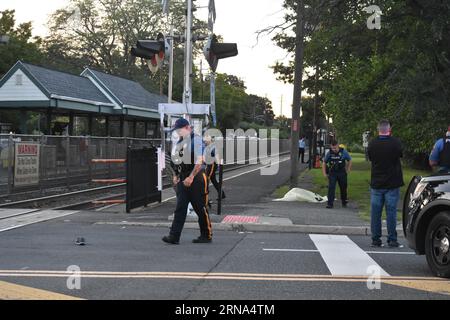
[(154, 51), (214, 51)]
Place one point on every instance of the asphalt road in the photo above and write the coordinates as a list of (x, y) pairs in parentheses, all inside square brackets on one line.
[(131, 262), (243, 262)]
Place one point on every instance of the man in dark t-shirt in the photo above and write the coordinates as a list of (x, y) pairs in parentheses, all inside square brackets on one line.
[(385, 152)]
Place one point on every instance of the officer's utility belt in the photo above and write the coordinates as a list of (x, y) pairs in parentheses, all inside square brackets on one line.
[(184, 174)]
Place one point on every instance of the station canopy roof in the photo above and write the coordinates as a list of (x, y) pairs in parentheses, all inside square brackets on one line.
[(33, 87)]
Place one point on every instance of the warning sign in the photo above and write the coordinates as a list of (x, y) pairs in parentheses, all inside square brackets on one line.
[(26, 164)]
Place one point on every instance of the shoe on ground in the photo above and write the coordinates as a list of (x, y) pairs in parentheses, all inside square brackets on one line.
[(377, 244), (202, 240), (329, 206), (171, 240), (394, 244)]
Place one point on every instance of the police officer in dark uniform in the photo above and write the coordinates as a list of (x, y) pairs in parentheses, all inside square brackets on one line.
[(440, 156), (211, 168), (191, 184), (336, 165)]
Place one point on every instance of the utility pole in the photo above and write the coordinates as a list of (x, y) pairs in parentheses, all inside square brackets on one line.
[(172, 43), (316, 103), (295, 125), (281, 105), (187, 96)]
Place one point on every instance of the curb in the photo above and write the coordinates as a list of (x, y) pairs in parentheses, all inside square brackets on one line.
[(243, 227)]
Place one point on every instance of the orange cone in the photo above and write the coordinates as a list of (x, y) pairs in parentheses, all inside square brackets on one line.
[(317, 163)]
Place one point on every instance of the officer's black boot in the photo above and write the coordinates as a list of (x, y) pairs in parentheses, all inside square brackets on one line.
[(171, 239), (202, 239)]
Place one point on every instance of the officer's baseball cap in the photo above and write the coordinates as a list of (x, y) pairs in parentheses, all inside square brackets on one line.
[(180, 123)]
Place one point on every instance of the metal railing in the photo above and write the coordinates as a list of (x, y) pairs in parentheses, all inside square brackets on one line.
[(65, 161)]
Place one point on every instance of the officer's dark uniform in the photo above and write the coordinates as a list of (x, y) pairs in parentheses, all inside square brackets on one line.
[(441, 153), (211, 170), (196, 194), (337, 174)]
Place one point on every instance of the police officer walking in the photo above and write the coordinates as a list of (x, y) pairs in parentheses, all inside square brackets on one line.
[(440, 156), (191, 184), (211, 169), (336, 165)]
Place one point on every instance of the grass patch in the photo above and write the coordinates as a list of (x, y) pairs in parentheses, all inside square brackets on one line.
[(359, 183), (281, 191)]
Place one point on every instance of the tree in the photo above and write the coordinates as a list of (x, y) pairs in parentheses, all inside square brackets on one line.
[(100, 34), (400, 72), (21, 45)]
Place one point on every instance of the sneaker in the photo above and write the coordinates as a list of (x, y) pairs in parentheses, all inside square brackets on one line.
[(394, 244), (80, 241), (377, 244), (171, 240), (202, 240), (329, 206)]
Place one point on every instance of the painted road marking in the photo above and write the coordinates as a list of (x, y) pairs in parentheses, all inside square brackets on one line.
[(429, 284), (291, 250), (240, 219), (343, 257), (10, 291), (237, 175), (317, 251), (25, 220), (8, 213), (205, 275)]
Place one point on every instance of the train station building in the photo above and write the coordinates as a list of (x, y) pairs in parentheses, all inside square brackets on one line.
[(90, 104)]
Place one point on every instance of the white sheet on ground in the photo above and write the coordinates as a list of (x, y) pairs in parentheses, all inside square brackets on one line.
[(298, 194)]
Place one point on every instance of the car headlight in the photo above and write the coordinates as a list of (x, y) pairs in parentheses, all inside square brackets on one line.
[(418, 191)]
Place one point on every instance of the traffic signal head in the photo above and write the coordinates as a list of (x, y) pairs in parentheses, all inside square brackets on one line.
[(214, 51), (154, 51)]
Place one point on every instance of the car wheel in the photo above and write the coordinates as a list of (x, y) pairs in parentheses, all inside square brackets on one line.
[(437, 245)]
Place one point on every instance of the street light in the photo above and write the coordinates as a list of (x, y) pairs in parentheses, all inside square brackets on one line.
[(4, 39)]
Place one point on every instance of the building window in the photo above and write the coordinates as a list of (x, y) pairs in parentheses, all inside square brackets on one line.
[(19, 80)]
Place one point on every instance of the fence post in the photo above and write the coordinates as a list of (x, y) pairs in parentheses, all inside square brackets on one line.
[(11, 150), (41, 162), (67, 160), (89, 156), (108, 156)]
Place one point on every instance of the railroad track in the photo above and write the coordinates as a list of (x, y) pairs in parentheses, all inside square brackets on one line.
[(86, 204)]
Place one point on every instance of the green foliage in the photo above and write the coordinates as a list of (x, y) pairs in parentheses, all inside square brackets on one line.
[(21, 45), (100, 34), (400, 72)]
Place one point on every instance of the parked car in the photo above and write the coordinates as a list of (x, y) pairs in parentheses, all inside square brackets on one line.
[(426, 220)]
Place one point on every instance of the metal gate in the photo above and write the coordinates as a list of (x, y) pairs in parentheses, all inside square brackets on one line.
[(142, 178)]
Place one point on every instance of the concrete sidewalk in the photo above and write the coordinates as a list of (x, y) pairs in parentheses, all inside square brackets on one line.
[(271, 216), (250, 207)]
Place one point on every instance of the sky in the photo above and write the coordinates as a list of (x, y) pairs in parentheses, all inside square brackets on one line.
[(237, 21)]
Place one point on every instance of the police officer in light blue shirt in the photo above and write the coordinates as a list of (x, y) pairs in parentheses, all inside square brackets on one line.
[(440, 155), (191, 184)]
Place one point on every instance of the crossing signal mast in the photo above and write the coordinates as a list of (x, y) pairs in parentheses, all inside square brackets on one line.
[(155, 52)]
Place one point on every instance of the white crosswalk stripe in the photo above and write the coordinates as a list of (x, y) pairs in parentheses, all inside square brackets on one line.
[(343, 257)]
